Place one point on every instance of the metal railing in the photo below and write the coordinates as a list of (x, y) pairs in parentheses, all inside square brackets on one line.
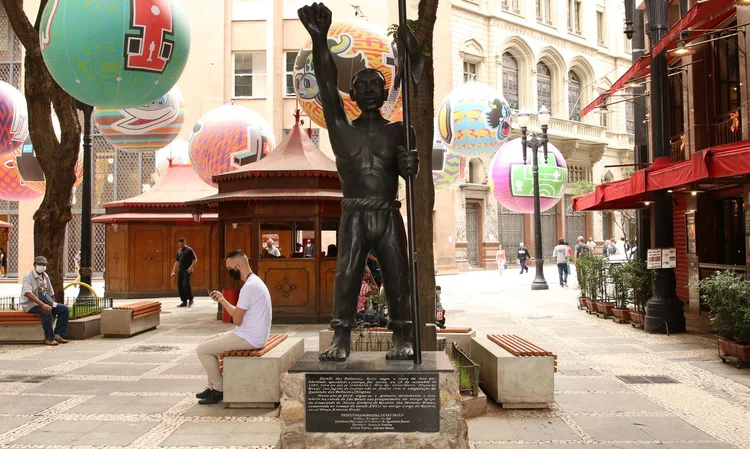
[(468, 371), (366, 340), (76, 310), (728, 128)]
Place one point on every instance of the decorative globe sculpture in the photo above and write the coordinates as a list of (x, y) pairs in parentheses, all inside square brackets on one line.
[(449, 174), (177, 152), (30, 171), (355, 45), (113, 53), (474, 120), (14, 118), (511, 180), (227, 138), (11, 186), (145, 128)]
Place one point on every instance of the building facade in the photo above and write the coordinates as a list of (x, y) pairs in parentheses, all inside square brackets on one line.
[(243, 51)]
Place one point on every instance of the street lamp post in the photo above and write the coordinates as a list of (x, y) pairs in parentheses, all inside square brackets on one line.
[(534, 143), (86, 235)]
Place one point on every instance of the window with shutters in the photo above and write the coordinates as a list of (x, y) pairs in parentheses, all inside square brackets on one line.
[(510, 80)]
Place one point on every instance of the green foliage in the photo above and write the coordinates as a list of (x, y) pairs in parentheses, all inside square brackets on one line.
[(618, 281), (581, 187), (638, 282), (412, 24), (727, 294), (590, 271), (465, 381)]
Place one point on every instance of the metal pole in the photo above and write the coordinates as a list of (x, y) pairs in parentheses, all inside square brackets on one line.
[(86, 237), (539, 282), (410, 230), (640, 131), (664, 310)]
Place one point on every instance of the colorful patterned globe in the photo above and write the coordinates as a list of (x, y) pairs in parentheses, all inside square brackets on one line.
[(146, 128), (474, 120), (177, 151), (511, 180), (14, 118), (12, 188), (355, 45), (449, 174), (113, 53), (28, 168), (227, 138)]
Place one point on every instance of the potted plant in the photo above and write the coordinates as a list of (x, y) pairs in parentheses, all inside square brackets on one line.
[(727, 294), (583, 268), (618, 277), (639, 283)]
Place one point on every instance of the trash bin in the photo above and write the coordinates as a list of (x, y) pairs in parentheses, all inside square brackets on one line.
[(232, 296)]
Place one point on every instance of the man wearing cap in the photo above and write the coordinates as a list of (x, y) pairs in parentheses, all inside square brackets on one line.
[(38, 297)]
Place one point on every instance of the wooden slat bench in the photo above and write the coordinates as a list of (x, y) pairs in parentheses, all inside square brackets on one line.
[(515, 372), (459, 335), (17, 326), (130, 319), (251, 377)]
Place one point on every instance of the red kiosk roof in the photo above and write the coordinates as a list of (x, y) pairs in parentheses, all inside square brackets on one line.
[(717, 162), (5, 224), (179, 185), (295, 156)]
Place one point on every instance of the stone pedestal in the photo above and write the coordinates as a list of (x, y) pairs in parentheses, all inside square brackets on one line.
[(449, 429), (462, 252), (84, 328), (489, 255)]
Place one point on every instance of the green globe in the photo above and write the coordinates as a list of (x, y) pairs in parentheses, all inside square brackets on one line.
[(115, 53)]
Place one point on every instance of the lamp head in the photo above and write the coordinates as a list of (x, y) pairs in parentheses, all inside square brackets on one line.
[(523, 118), (544, 116)]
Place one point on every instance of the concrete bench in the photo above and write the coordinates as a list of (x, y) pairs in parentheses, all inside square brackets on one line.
[(17, 326), (515, 372), (459, 335), (251, 378), (130, 319)]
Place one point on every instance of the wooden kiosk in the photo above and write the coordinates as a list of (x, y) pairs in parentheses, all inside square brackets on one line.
[(291, 197), (142, 235)]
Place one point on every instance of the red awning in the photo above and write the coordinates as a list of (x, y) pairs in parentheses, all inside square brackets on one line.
[(697, 17), (130, 217), (639, 69), (270, 195), (717, 162)]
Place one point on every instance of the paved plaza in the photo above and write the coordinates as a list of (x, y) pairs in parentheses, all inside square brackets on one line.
[(139, 392)]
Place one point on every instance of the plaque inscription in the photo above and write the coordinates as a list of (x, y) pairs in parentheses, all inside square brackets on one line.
[(375, 402)]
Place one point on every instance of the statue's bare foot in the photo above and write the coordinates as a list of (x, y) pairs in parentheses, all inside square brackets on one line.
[(339, 350), (402, 349)]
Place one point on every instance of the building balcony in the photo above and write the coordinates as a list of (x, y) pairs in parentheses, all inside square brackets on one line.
[(561, 129)]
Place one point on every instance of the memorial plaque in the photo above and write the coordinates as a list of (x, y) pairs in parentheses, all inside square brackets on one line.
[(372, 402)]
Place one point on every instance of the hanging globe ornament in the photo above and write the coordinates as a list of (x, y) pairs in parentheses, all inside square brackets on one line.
[(228, 138), (12, 187), (145, 128), (14, 118), (511, 180), (355, 45), (474, 120), (445, 166), (176, 153), (115, 53)]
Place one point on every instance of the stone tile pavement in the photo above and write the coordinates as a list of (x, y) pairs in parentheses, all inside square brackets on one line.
[(138, 393)]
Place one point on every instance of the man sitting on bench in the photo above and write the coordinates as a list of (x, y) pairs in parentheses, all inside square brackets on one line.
[(252, 319), (38, 297)]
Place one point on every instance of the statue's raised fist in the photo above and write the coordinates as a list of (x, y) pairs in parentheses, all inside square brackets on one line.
[(316, 18)]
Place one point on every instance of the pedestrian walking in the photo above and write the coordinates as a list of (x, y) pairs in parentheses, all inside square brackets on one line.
[(184, 263), (501, 261), (560, 254), (523, 256), (2, 263), (581, 248)]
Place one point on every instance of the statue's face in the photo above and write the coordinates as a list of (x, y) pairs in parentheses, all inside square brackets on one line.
[(368, 90)]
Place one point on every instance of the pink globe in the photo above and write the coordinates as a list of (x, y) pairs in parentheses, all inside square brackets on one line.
[(511, 180)]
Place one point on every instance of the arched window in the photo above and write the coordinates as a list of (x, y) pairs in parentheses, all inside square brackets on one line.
[(543, 85), (510, 80), (574, 94), (608, 177)]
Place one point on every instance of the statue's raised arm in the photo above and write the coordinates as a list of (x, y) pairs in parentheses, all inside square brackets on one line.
[(317, 21)]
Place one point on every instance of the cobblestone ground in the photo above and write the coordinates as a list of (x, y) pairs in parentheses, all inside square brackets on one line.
[(138, 393)]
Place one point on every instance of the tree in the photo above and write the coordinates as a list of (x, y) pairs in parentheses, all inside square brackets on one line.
[(422, 116), (57, 159)]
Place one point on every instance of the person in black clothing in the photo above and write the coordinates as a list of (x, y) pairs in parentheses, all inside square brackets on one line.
[(184, 262), (523, 255)]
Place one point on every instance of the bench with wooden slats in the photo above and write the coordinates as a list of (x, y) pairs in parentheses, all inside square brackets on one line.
[(273, 341), (454, 330), (520, 347), (141, 309), (18, 317)]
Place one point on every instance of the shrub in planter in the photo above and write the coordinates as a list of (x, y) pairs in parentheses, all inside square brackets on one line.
[(727, 294), (619, 292), (638, 283), (583, 267)]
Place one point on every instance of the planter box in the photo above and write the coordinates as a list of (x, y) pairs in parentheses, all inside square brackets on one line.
[(590, 304), (733, 349), (637, 318), (622, 315), (582, 301), (605, 307)]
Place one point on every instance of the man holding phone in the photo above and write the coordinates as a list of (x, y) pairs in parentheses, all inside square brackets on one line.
[(252, 319), (38, 297)]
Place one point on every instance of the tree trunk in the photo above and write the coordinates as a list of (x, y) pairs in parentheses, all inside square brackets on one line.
[(422, 116), (57, 159)]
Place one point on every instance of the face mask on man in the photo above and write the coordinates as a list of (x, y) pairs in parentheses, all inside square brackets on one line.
[(235, 274), (40, 268)]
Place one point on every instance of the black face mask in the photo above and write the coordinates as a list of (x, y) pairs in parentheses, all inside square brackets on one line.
[(235, 274)]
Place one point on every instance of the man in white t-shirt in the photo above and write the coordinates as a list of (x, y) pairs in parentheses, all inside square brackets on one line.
[(252, 319)]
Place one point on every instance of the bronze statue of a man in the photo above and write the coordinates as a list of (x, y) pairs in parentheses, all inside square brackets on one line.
[(369, 157)]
